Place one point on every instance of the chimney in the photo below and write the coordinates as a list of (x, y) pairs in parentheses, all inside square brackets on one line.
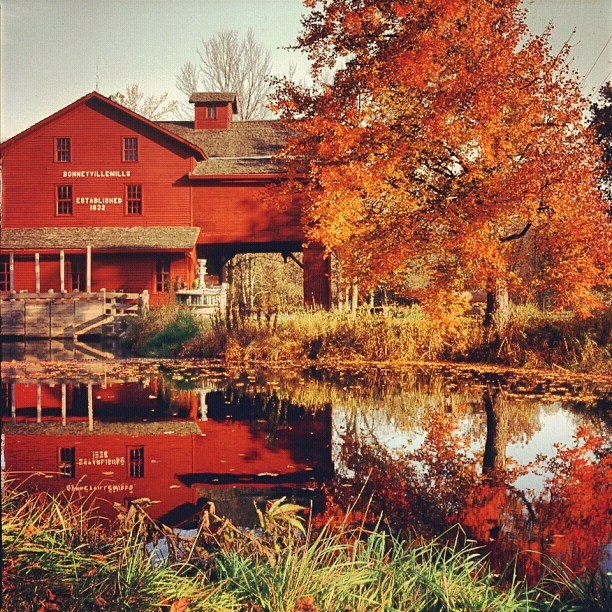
[(213, 110)]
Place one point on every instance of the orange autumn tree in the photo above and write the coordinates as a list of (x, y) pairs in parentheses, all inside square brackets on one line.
[(449, 140)]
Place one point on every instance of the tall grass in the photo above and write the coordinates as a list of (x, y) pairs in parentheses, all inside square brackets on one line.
[(370, 570), (536, 338), (58, 557), (531, 338)]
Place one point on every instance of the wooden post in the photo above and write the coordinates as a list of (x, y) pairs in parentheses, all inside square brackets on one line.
[(37, 271), (90, 405), (63, 404), (62, 272), (88, 271), (12, 272), (38, 404), (13, 404)]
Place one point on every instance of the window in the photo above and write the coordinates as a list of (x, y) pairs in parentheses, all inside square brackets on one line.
[(63, 202), (5, 273), (62, 150), (162, 275), (136, 461), (130, 149), (67, 462), (133, 199), (211, 112)]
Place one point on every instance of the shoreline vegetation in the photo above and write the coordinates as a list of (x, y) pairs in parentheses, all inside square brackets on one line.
[(58, 555), (531, 339)]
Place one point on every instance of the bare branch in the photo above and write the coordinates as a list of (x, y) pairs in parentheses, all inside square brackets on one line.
[(232, 65), (151, 107)]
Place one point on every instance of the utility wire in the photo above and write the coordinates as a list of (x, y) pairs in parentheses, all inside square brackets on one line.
[(595, 90), (597, 59)]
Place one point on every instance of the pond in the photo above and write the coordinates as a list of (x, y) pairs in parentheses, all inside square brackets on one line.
[(521, 462)]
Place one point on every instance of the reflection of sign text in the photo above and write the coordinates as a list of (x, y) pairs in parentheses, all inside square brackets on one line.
[(120, 487), (96, 173), (100, 457)]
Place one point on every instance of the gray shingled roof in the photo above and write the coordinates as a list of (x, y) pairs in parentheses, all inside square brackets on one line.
[(241, 139), (236, 165), (100, 237), (246, 147), (177, 428), (212, 96)]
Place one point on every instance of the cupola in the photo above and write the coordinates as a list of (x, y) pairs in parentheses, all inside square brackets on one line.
[(213, 110)]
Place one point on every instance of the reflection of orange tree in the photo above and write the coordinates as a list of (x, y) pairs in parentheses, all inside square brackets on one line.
[(441, 483), (575, 515), (420, 489), (569, 521)]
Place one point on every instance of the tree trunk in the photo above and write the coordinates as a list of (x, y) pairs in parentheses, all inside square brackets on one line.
[(354, 298), (494, 457), (497, 312)]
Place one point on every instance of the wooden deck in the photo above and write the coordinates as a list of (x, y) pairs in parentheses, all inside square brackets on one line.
[(61, 315)]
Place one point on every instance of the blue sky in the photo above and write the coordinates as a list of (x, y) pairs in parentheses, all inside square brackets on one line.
[(54, 51)]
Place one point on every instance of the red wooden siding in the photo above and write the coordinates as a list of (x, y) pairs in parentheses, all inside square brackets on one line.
[(113, 272), (131, 272), (317, 277), (242, 213), (25, 273), (30, 174), (233, 211), (165, 456), (26, 397), (221, 121)]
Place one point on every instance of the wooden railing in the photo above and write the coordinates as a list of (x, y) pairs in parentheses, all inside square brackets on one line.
[(205, 302), (60, 315)]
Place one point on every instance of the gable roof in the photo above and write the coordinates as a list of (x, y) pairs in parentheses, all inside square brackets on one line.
[(209, 97), (94, 95)]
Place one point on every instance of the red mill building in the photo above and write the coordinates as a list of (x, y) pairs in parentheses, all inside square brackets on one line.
[(96, 196)]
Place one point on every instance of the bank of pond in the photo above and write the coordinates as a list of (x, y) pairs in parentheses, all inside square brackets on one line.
[(427, 487)]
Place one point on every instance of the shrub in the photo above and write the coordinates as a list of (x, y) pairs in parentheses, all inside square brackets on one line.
[(170, 341)]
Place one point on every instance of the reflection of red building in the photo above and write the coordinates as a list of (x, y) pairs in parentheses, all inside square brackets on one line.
[(96, 196), (162, 458)]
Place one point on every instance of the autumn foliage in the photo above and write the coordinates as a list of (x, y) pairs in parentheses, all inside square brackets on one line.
[(442, 483), (439, 136)]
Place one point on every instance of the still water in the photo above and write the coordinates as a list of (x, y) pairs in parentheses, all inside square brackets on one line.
[(522, 464)]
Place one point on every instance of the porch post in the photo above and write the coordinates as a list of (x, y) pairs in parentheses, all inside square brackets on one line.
[(38, 404), (90, 405), (62, 272), (63, 404), (37, 271), (317, 277), (88, 271), (12, 272), (13, 404)]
